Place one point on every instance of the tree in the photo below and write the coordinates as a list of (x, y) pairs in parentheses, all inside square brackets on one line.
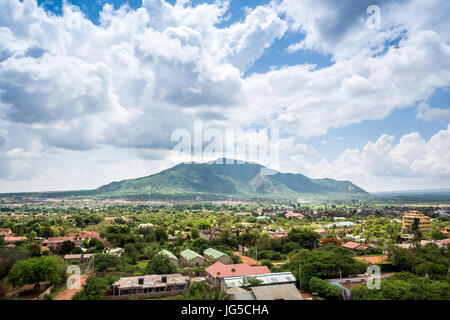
[(160, 264), (105, 261), (67, 247), (405, 286), (305, 238), (416, 230), (34, 249), (324, 265), (325, 289), (9, 256), (200, 291), (404, 259), (95, 288), (251, 281), (35, 270), (195, 233)]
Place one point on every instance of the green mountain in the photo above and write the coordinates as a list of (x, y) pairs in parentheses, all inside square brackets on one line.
[(213, 181)]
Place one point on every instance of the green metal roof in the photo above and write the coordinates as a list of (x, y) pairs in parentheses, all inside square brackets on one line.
[(189, 254), (168, 253), (214, 253)]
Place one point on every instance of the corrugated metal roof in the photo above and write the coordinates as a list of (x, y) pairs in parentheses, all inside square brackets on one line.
[(168, 253), (189, 254), (214, 253), (286, 291), (267, 279)]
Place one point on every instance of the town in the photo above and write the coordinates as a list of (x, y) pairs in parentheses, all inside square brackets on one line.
[(118, 250)]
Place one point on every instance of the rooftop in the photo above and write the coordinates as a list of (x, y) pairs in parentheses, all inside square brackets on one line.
[(241, 269), (286, 291), (189, 254), (352, 245), (214, 253), (168, 253), (268, 278), (150, 281)]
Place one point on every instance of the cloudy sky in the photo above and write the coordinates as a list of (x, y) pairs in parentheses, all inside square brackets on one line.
[(92, 90)]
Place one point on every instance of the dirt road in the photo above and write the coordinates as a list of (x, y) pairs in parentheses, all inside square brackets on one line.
[(69, 293)]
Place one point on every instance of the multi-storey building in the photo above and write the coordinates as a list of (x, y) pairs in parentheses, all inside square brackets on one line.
[(424, 222)]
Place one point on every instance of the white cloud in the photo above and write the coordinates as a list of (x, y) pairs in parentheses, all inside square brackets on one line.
[(142, 73), (403, 165), (426, 113)]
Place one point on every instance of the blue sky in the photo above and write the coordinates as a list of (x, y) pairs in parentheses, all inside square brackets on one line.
[(352, 103)]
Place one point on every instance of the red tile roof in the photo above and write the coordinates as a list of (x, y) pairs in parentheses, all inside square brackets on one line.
[(57, 239), (352, 245), (14, 239), (241, 269)]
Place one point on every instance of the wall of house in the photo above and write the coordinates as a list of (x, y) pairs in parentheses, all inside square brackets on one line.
[(146, 295)]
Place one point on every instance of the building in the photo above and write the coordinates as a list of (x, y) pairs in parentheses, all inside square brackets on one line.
[(446, 231), (148, 286), (424, 222), (191, 258), (145, 225), (56, 242), (350, 282), (77, 238), (84, 235), (6, 233), (14, 240), (444, 242), (216, 272), (278, 233), (173, 259), (354, 246), (77, 257), (340, 224), (215, 255), (294, 215), (274, 292), (267, 279)]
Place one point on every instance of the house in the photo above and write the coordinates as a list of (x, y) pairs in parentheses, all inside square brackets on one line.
[(173, 259), (348, 283), (444, 242), (84, 235), (267, 279), (215, 255), (145, 225), (242, 213), (14, 240), (278, 233), (295, 215), (114, 251), (445, 231), (149, 286), (6, 233), (354, 246), (275, 292), (77, 257), (191, 258), (56, 242), (340, 224), (216, 272)]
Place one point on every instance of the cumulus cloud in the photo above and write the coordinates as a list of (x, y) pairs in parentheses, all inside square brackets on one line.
[(129, 82), (426, 113), (386, 162)]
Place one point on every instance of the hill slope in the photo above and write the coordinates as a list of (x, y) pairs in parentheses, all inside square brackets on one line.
[(210, 181)]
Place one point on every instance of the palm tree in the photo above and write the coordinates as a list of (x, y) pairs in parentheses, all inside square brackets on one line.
[(233, 270)]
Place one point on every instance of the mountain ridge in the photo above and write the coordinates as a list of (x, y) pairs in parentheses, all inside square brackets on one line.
[(227, 178)]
